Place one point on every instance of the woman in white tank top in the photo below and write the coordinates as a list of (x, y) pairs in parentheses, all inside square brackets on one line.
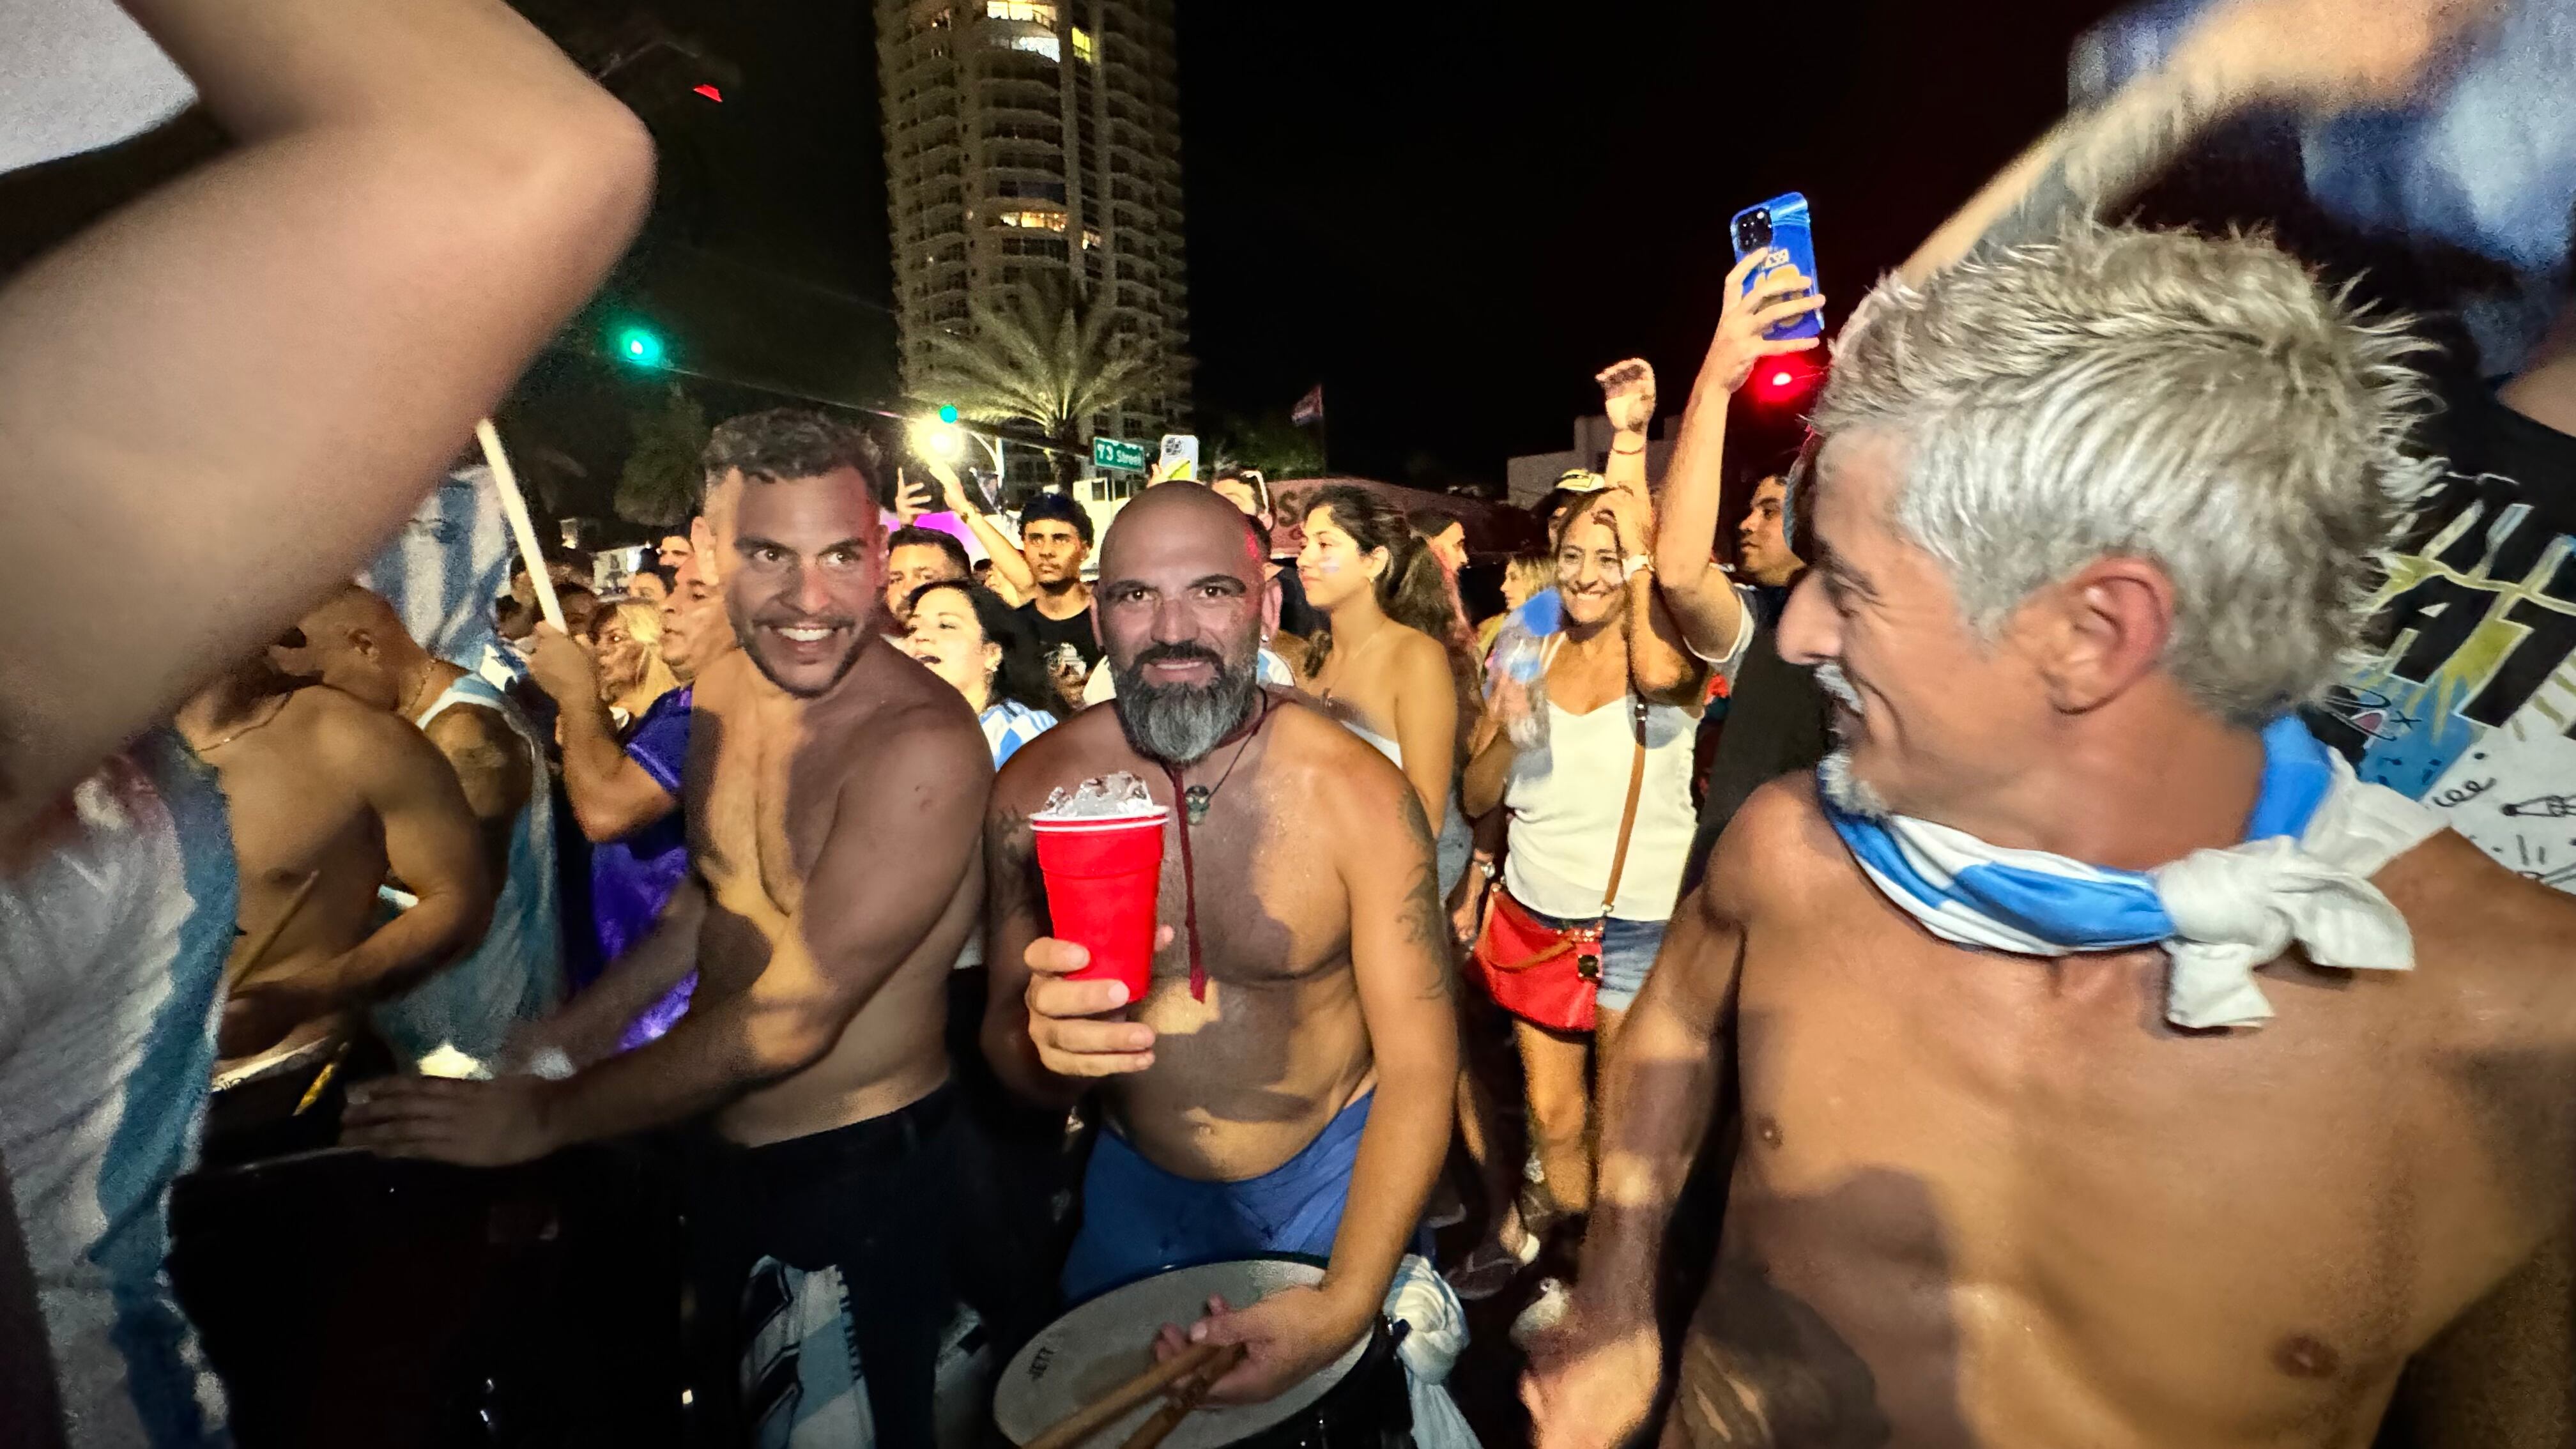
[(1617, 671)]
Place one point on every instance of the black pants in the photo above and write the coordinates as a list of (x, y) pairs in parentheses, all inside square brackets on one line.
[(875, 1201)]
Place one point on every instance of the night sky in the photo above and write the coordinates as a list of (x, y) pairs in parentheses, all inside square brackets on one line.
[(1452, 217), (1449, 216)]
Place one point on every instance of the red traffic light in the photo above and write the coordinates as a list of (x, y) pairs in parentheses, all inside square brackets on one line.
[(1785, 379), (709, 91)]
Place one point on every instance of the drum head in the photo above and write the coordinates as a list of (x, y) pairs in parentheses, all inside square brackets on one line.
[(1109, 1340)]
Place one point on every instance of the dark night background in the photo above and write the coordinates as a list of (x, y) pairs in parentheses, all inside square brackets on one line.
[(1449, 217)]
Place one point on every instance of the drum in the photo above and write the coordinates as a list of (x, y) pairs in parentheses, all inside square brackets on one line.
[(1357, 1402)]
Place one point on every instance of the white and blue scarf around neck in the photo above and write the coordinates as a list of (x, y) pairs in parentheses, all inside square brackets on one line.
[(2302, 875)]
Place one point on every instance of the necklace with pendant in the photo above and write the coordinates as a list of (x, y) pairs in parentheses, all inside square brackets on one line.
[(1195, 800)]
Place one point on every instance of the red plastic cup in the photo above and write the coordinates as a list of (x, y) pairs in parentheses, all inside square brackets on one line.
[(1102, 880)]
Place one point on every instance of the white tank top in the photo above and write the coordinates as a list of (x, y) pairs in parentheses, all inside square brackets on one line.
[(1566, 798)]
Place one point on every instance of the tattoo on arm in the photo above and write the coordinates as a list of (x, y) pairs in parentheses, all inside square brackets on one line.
[(1011, 869), (1426, 923), (2105, 156)]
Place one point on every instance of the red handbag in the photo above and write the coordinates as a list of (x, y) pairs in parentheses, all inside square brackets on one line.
[(1551, 975)]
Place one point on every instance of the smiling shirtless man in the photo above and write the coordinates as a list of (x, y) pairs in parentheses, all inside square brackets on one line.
[(1314, 1070), (2116, 1068), (836, 878)]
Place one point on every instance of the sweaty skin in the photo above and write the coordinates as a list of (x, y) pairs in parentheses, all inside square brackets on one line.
[(330, 789), (833, 834), (1994, 1199), (1325, 945)]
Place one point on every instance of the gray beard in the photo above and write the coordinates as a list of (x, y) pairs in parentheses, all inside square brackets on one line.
[(1179, 723), (1847, 792)]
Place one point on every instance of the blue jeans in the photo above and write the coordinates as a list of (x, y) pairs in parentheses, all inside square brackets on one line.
[(1627, 953)]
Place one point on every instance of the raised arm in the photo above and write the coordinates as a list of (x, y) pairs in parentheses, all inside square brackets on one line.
[(612, 795), (1008, 563), (1400, 959), (1660, 661), (418, 195), (2321, 56), (1700, 594), (1592, 1384), (1628, 400), (902, 839)]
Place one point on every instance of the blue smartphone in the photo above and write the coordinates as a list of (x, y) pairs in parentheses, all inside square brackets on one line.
[(1780, 225)]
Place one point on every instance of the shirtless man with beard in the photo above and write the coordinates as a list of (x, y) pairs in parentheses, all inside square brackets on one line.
[(1309, 1082), (323, 788), (836, 789), (2116, 1068)]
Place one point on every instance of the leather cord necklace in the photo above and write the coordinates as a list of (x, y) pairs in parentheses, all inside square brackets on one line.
[(1195, 800)]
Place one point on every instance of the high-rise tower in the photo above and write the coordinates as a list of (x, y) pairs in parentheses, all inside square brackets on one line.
[(1039, 136)]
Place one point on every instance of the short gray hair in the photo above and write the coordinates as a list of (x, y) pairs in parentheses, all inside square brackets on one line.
[(2203, 403)]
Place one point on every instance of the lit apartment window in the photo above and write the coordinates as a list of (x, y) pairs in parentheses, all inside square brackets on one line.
[(1045, 45), (1083, 49), (1033, 219), (1090, 238), (1040, 11)]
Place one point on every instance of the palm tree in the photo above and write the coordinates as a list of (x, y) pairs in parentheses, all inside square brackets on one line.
[(1034, 354)]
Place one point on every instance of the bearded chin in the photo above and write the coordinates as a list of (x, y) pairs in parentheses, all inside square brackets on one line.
[(1179, 723), (1846, 791)]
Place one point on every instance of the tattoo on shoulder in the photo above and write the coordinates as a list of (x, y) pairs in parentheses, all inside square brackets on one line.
[(1426, 921)]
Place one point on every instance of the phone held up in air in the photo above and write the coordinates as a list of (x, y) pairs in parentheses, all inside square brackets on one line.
[(1780, 227)]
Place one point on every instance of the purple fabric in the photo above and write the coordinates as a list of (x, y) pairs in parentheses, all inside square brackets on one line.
[(631, 879)]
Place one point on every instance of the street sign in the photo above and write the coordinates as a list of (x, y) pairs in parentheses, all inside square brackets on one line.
[(1119, 454)]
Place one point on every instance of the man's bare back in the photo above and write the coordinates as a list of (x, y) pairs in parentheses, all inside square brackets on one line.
[(1984, 1198), (770, 770), (1244, 1080), (321, 787)]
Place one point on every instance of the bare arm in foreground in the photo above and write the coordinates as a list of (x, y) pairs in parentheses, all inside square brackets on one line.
[(304, 329)]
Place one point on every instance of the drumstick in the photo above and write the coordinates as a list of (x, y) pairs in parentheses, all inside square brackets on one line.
[(1100, 1413), (321, 1081), (515, 505), (1184, 1402), (260, 944)]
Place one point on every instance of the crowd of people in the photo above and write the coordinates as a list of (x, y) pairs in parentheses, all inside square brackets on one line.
[(2046, 936)]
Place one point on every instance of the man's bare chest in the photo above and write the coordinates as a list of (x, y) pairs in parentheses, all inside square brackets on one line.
[(750, 814), (2033, 1135), (290, 820)]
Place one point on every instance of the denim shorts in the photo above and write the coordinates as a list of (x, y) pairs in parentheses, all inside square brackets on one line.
[(1627, 953)]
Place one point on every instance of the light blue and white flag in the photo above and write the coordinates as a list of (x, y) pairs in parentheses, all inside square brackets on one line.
[(2302, 875)]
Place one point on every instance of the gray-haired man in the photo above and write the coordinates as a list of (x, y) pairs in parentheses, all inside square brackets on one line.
[(2115, 1066)]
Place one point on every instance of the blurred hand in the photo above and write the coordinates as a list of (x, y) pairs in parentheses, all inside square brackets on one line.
[(1080, 1027), (1287, 1338), (952, 491), (562, 666), (912, 498), (478, 1124), (2326, 55), (1740, 342), (1628, 394), (1467, 908), (1590, 1387)]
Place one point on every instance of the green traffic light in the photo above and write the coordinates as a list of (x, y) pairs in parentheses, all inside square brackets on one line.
[(640, 347), (948, 414)]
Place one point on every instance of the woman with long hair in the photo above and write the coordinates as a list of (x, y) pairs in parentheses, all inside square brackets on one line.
[(1390, 658), (984, 649), (1614, 697), (627, 640)]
